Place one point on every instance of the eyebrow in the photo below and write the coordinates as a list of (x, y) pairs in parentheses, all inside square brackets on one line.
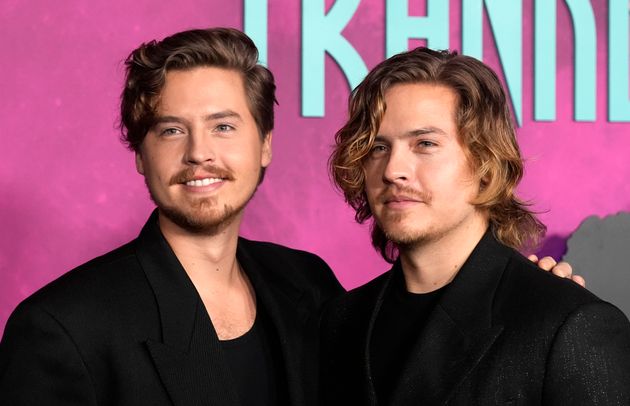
[(415, 133), (425, 130), (210, 117), (168, 119), (223, 114)]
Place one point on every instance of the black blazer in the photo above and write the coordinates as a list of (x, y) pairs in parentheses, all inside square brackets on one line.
[(502, 333), (129, 328)]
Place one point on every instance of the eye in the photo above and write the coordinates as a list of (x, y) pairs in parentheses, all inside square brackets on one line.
[(378, 150), (224, 128), (426, 144), (170, 131)]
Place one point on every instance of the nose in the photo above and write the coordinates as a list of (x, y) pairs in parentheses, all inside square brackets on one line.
[(398, 168), (199, 148)]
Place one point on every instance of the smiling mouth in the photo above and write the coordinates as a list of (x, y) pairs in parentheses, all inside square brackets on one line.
[(197, 176), (203, 182)]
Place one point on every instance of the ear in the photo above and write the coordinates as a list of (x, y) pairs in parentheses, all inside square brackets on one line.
[(139, 163), (266, 150)]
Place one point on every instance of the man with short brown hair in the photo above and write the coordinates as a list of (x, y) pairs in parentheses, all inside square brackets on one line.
[(188, 313)]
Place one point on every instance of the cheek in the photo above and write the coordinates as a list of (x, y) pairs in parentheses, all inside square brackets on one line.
[(460, 187), (468, 182), (373, 173), (244, 158), (373, 189), (369, 178), (443, 182), (160, 165)]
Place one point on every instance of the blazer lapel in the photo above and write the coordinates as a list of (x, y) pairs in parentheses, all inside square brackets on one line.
[(281, 300), (387, 281), (188, 358), (459, 331), (441, 359)]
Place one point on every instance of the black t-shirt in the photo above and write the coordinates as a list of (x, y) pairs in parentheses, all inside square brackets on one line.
[(398, 326), (255, 361)]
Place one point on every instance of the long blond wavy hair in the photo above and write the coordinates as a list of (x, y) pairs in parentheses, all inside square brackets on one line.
[(484, 126)]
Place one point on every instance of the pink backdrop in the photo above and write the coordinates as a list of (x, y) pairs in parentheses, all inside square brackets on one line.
[(70, 190)]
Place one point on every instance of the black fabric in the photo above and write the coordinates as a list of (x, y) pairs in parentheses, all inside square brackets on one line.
[(129, 328), (401, 318), (502, 333), (255, 361)]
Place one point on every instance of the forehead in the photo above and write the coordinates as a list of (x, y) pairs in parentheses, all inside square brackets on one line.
[(202, 88), (412, 105)]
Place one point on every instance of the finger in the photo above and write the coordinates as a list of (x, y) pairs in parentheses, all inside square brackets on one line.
[(562, 269), (579, 280), (547, 263), (533, 258)]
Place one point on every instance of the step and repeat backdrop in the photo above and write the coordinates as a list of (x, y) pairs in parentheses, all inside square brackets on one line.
[(70, 191)]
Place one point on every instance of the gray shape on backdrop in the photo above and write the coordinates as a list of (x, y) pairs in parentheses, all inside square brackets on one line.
[(599, 250)]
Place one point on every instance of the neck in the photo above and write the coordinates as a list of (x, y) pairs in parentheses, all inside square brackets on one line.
[(433, 263), (210, 262), (206, 258)]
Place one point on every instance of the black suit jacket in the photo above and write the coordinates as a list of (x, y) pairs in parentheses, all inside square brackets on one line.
[(129, 328), (502, 333)]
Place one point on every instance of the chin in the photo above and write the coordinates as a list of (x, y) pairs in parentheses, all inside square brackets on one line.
[(201, 221), (401, 235), (408, 239), (203, 215)]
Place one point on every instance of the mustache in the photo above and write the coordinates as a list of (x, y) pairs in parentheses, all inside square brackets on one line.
[(210, 171), (407, 192)]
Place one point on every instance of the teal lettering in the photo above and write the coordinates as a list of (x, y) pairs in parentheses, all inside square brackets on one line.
[(618, 101), (472, 28), (585, 59), (255, 26), (400, 26), (506, 20), (321, 34), (545, 60)]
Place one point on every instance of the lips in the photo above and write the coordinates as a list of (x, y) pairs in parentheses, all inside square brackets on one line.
[(203, 182), (201, 176), (401, 203), (402, 199), (404, 196)]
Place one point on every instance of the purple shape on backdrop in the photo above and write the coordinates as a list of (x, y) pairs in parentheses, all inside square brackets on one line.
[(554, 246)]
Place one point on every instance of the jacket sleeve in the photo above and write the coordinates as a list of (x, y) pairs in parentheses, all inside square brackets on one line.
[(40, 364), (589, 362)]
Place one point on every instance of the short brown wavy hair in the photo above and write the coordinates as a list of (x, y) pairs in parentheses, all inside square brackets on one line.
[(146, 69), (484, 126)]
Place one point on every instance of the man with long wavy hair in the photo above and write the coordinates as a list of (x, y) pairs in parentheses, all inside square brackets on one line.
[(429, 153)]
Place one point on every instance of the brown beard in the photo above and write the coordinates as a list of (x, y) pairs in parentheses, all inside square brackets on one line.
[(199, 224), (398, 238), (196, 220), (388, 217)]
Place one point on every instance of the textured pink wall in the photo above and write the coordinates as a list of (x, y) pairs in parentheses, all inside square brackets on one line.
[(70, 191)]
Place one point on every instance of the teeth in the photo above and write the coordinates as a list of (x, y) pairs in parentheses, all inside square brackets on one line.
[(203, 182)]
